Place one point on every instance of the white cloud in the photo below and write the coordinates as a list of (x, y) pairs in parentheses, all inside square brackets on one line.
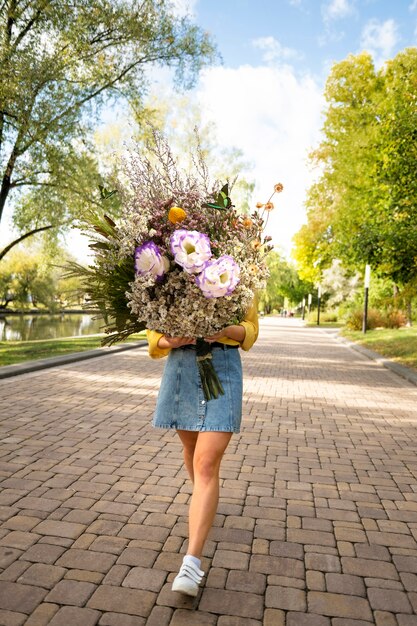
[(380, 38), (337, 9), (273, 50), (274, 117), (413, 5), (295, 3)]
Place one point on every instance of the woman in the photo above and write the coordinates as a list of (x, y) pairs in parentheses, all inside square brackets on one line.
[(204, 427)]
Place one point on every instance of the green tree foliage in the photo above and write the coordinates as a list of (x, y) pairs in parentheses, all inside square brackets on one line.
[(283, 283), (363, 209), (29, 279), (59, 63)]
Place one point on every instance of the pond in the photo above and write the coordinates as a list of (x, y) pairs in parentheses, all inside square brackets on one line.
[(31, 327)]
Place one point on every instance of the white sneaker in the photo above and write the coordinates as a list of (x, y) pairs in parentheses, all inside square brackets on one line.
[(188, 578)]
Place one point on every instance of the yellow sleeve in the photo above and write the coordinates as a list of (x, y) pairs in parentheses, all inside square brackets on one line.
[(251, 326), (154, 351)]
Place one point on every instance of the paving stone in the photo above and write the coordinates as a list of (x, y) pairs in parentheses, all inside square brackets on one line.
[(306, 619), (383, 618), (389, 600), (138, 556), (71, 530), (405, 563), (277, 565), (322, 562), (345, 621), (285, 598), (71, 592), (21, 522), (42, 575), (143, 578), (251, 582), (231, 560), (345, 584), (118, 619), (20, 598), (122, 600), (88, 560), (339, 605), (113, 545), (42, 615), (407, 620), (315, 581), (74, 615), (274, 617), (84, 576), (230, 620), (19, 539), (8, 556), (160, 616), (182, 617), (323, 473), (368, 567), (233, 603), (12, 618), (44, 553)]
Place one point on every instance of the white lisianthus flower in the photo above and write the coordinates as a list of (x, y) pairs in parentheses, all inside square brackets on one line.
[(149, 261), (219, 277), (191, 249)]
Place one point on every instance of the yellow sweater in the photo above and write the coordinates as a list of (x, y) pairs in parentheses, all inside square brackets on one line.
[(250, 324)]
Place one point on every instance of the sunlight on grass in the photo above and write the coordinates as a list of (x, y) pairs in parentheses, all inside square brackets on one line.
[(20, 351), (398, 344)]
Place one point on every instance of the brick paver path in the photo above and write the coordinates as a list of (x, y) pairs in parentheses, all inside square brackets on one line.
[(317, 524)]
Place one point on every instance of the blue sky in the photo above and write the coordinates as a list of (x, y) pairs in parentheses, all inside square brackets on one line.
[(310, 34)]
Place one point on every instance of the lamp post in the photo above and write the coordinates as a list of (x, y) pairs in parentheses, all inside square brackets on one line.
[(365, 304), (318, 304), (303, 311), (310, 298)]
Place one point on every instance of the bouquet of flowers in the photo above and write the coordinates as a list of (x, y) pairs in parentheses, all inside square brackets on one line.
[(181, 259)]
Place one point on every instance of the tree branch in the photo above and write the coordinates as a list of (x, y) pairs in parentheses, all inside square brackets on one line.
[(23, 237)]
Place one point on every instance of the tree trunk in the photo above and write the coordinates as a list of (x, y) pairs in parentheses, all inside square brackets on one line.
[(409, 313), (25, 236)]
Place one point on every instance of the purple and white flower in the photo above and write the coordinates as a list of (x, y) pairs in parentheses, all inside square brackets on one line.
[(219, 277), (191, 249), (149, 261)]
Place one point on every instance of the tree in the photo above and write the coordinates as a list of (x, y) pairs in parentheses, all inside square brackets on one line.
[(283, 282), (363, 209), (59, 63), (29, 278)]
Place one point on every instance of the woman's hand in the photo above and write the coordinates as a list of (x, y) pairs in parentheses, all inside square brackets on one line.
[(174, 342), (235, 332)]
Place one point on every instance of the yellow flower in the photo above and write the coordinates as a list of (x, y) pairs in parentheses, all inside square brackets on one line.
[(259, 205), (278, 187), (255, 244), (176, 214), (269, 206), (247, 222), (253, 269)]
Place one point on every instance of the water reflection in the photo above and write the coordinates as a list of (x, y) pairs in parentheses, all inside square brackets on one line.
[(31, 327)]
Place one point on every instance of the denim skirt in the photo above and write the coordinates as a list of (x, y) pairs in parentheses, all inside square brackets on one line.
[(181, 404)]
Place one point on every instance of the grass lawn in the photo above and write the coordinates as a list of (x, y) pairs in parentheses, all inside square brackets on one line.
[(398, 344), (21, 351)]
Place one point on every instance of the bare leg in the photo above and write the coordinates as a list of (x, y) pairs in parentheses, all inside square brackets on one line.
[(189, 441), (208, 453)]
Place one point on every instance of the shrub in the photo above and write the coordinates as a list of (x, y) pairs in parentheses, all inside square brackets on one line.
[(394, 319), (355, 319)]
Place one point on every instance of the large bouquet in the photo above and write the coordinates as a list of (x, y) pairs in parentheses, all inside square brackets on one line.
[(181, 260)]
